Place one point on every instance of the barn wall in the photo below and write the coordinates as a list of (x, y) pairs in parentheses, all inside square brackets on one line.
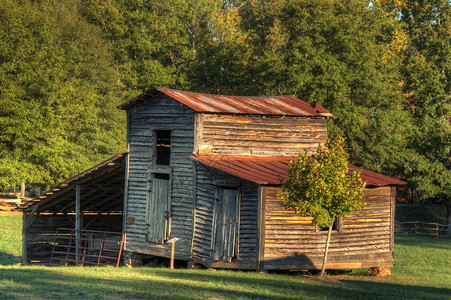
[(366, 240), (258, 135), (207, 181), (41, 233), (162, 113)]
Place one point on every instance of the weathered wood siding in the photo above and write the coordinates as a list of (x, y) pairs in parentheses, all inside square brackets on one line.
[(366, 240), (258, 135), (162, 113), (41, 233), (208, 180)]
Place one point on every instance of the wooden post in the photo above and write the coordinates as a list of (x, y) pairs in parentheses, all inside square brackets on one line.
[(22, 189), (172, 242), (261, 228), (24, 239), (77, 222), (172, 255)]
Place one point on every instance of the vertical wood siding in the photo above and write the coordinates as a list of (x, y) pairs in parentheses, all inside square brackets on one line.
[(259, 135), (162, 113), (365, 239), (207, 182)]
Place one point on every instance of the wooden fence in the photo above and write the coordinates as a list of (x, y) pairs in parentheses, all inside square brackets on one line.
[(423, 228)]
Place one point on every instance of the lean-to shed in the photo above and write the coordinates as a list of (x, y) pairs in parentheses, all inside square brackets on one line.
[(99, 192), (206, 169)]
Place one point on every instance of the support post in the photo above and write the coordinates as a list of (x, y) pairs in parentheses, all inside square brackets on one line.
[(172, 242), (22, 189), (172, 255), (24, 240), (77, 222)]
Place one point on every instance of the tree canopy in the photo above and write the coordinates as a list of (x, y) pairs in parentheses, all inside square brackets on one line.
[(382, 67), (58, 90), (321, 186)]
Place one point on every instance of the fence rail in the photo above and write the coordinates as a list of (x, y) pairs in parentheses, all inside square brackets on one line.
[(87, 247), (423, 228)]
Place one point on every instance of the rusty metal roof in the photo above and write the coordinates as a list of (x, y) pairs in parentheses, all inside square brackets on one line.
[(273, 170), (288, 105)]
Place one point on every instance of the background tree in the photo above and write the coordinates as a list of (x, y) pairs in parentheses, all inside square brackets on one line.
[(154, 42), (335, 53), (320, 186), (58, 92)]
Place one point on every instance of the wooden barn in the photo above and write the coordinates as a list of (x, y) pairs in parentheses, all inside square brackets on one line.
[(207, 168)]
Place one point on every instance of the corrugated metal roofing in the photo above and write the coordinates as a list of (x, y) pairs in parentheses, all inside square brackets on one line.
[(273, 170), (289, 105)]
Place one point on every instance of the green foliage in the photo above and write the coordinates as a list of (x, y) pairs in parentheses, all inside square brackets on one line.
[(320, 186), (154, 42), (334, 53), (58, 91), (383, 69), (427, 85)]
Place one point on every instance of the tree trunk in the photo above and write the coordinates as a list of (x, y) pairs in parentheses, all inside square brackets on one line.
[(323, 268)]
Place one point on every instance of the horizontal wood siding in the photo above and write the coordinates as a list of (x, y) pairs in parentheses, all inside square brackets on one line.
[(260, 135), (162, 113), (207, 181), (291, 240)]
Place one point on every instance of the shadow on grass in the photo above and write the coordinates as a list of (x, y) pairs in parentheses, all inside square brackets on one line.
[(26, 282), (9, 259)]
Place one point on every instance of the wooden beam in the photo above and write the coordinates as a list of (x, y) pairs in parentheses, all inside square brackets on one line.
[(104, 174), (72, 203), (24, 240), (77, 222), (30, 219), (194, 214), (100, 202), (261, 227)]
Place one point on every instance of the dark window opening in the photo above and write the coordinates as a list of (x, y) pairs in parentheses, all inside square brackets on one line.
[(161, 176), (334, 227), (337, 226), (163, 145)]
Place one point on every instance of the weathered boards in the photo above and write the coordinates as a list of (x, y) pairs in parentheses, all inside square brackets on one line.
[(221, 160), (206, 169)]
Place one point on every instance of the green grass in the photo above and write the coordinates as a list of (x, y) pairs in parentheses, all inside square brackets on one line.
[(422, 271), (10, 238)]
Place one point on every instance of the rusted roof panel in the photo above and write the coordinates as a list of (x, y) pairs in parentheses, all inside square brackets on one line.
[(289, 105), (273, 170)]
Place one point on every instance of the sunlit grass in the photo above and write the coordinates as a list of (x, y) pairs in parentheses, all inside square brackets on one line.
[(422, 271), (10, 238)]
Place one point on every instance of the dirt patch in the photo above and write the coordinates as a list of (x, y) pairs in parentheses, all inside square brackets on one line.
[(325, 279)]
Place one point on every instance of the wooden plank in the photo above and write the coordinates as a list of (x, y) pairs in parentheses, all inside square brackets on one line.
[(24, 239), (261, 227), (77, 222)]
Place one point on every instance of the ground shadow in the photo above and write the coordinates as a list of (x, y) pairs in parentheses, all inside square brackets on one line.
[(19, 283), (9, 259)]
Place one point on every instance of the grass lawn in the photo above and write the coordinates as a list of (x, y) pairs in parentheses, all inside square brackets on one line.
[(422, 271)]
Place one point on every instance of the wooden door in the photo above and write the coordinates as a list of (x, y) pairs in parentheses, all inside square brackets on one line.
[(225, 225), (159, 211)]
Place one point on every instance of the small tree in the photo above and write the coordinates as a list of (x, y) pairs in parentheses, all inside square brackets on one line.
[(320, 186)]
